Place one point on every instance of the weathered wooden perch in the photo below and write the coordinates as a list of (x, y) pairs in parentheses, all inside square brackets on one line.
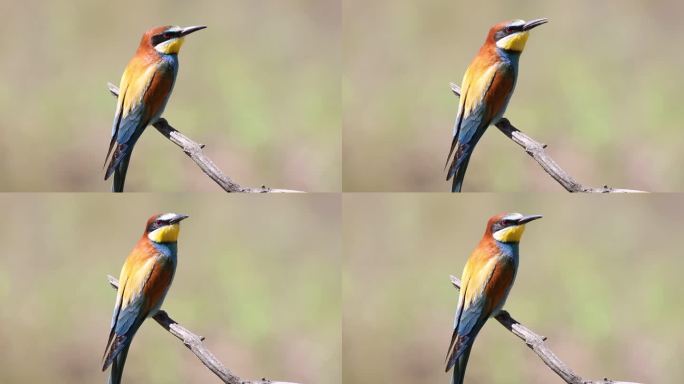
[(537, 151), (537, 343), (194, 151), (194, 343)]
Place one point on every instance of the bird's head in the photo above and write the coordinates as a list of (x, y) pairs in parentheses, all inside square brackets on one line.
[(167, 40), (509, 227), (164, 228), (511, 36)]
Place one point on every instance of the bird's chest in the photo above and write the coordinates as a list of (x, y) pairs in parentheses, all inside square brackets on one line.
[(508, 253), (167, 252), (167, 67), (508, 61), (159, 89), (508, 68), (507, 259)]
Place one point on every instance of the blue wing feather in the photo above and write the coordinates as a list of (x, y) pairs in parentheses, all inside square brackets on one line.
[(126, 320), (129, 315), (130, 124), (469, 132), (471, 317)]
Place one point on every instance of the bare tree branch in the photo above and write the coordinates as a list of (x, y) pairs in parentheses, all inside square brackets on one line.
[(194, 151), (536, 343), (194, 343), (536, 150)]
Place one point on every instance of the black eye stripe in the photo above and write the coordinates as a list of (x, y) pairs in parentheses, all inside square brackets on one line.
[(156, 39), (501, 224), (164, 36), (157, 224), (508, 30)]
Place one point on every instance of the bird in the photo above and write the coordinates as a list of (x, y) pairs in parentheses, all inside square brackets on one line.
[(486, 281), (145, 87), (143, 283), (486, 89)]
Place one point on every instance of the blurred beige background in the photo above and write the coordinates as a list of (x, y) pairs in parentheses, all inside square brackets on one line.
[(600, 84), (258, 277), (260, 87), (600, 277)]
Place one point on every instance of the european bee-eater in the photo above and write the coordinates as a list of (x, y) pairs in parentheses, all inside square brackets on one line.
[(145, 88), (487, 279), (486, 88), (143, 283)]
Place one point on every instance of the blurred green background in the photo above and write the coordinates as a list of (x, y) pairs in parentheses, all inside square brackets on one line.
[(599, 276), (258, 277), (600, 84), (260, 87)]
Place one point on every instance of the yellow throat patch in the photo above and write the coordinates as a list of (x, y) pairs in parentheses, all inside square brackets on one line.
[(510, 234), (515, 42), (165, 234), (170, 46)]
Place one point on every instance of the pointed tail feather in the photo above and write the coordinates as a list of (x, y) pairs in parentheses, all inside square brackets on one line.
[(457, 183), (120, 175), (115, 347), (117, 350), (460, 367), (454, 142), (450, 351), (462, 152), (118, 166), (120, 153), (107, 348), (109, 151), (459, 344), (116, 373), (458, 167)]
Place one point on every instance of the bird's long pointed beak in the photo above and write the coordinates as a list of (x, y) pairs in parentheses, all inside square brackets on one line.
[(188, 30), (527, 219), (534, 23), (178, 219)]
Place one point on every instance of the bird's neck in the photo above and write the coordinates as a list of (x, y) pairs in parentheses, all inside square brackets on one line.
[(509, 57), (168, 58), (508, 249), (168, 250)]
